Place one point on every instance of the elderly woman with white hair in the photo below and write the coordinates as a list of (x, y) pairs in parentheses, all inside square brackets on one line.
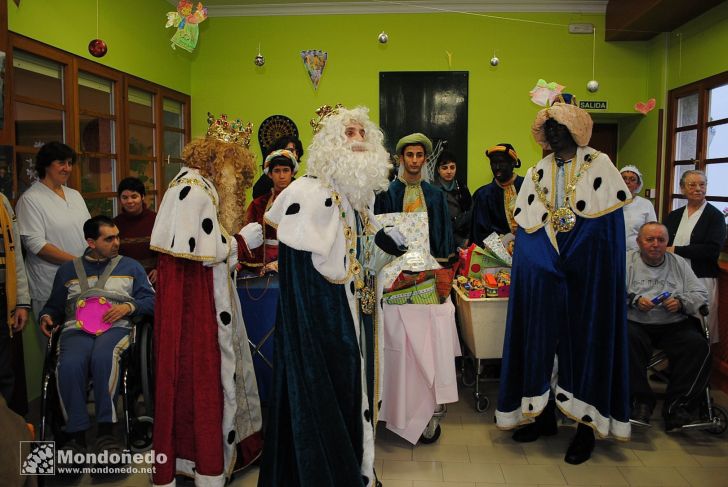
[(697, 232), (639, 210)]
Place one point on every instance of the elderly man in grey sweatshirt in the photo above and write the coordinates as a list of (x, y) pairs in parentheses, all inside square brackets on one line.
[(663, 295)]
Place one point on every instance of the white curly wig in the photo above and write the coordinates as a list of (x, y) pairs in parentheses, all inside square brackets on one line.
[(357, 169)]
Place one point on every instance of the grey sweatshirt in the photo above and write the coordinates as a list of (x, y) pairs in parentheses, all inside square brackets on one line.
[(673, 275)]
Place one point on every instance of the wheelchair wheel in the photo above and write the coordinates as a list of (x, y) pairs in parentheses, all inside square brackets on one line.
[(720, 421), (140, 434), (146, 364)]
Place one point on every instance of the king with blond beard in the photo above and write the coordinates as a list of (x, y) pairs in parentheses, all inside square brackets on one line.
[(207, 409), (322, 411)]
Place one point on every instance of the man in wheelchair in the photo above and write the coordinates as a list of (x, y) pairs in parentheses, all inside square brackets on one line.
[(663, 293), (94, 297)]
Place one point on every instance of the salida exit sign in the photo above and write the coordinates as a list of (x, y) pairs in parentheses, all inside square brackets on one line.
[(593, 105)]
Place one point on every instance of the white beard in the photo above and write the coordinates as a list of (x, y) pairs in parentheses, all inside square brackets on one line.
[(359, 173)]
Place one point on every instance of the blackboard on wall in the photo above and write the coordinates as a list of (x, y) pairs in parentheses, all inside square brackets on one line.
[(432, 102)]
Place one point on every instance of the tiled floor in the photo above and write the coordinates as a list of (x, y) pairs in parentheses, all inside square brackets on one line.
[(472, 452)]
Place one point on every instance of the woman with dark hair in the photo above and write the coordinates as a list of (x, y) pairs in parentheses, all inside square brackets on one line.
[(459, 201), (697, 232), (50, 219), (135, 223), (288, 142)]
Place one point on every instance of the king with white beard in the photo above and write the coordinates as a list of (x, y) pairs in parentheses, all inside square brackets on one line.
[(320, 424)]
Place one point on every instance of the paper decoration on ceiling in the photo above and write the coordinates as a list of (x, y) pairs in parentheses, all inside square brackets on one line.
[(273, 128), (543, 94), (187, 24), (646, 107), (314, 61)]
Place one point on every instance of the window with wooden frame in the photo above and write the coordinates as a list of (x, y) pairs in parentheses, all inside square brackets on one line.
[(118, 124), (698, 139)]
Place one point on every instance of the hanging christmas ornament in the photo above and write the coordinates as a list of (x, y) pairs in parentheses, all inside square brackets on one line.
[(593, 85), (383, 38), (97, 47), (259, 58), (494, 61)]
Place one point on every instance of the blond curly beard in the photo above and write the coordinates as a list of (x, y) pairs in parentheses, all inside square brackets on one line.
[(230, 167)]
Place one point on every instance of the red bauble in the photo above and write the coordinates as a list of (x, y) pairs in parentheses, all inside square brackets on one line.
[(97, 48)]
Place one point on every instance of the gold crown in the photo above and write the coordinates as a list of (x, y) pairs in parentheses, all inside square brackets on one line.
[(233, 132), (323, 113)]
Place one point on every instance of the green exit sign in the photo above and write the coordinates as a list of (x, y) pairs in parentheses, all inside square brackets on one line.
[(593, 105)]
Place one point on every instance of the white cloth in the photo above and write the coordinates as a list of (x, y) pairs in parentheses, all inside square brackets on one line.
[(636, 214), (46, 218), (419, 349), (687, 224)]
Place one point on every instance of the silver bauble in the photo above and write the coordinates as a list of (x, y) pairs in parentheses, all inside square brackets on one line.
[(259, 60), (383, 38), (592, 86), (494, 61)]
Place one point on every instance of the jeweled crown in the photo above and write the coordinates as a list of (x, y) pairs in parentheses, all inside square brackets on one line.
[(323, 113), (235, 132)]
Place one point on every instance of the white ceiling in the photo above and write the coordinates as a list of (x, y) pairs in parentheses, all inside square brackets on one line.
[(236, 8)]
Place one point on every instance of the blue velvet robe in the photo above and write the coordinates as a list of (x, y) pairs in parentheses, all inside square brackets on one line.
[(566, 329), (489, 212), (442, 243)]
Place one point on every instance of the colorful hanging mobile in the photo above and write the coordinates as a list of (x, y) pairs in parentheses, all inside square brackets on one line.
[(187, 24), (543, 94), (314, 61)]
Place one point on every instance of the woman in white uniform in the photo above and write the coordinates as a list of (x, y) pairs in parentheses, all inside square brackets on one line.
[(639, 211), (50, 220)]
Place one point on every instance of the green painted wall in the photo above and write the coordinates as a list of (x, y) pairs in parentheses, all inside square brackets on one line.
[(702, 51), (133, 30), (224, 78), (690, 53)]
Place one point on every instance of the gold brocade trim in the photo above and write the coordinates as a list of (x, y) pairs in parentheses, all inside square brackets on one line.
[(375, 402), (549, 201), (355, 268), (509, 202)]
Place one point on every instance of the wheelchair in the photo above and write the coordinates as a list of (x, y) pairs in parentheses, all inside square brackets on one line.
[(712, 418), (136, 388)]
